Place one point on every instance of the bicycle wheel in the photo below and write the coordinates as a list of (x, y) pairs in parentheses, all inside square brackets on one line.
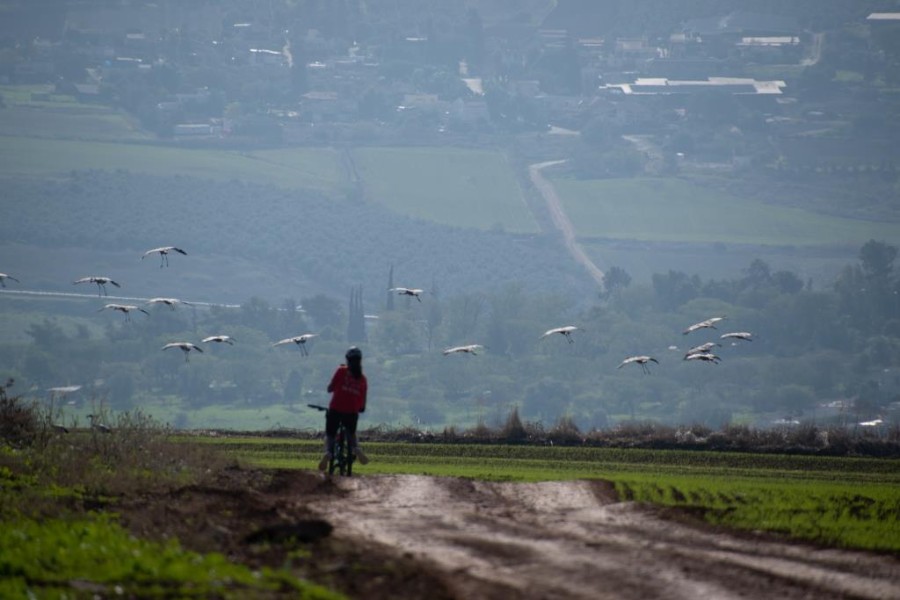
[(344, 457), (335, 464)]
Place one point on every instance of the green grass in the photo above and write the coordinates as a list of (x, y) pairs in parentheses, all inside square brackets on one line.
[(62, 116), (233, 418), (458, 187), (843, 76), (228, 417), (72, 122), (43, 559), (849, 502), (290, 168), (672, 210), (856, 515), (21, 95)]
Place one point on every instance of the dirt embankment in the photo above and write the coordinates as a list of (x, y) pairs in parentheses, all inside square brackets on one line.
[(423, 537)]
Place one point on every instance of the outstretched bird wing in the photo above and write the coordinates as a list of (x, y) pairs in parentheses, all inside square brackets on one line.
[(740, 335)]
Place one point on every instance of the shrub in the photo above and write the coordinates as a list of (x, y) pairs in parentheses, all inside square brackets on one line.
[(513, 430), (566, 431), (19, 422)]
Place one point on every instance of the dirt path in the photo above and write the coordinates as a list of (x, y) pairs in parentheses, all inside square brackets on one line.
[(574, 540), (560, 220), (815, 55)]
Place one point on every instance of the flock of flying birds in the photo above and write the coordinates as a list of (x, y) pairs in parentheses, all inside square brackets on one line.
[(702, 352), (126, 309)]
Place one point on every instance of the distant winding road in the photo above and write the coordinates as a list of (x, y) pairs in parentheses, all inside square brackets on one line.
[(561, 220)]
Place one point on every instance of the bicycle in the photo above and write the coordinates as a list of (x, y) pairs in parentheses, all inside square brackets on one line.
[(341, 457)]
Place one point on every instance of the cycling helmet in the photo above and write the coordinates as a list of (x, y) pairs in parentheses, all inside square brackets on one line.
[(353, 353)]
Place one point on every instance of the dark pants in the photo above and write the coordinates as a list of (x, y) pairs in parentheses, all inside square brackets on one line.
[(334, 418)]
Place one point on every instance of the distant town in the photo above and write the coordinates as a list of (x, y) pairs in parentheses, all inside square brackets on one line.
[(213, 71)]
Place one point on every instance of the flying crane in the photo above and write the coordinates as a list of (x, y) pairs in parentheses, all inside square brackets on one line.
[(170, 302), (185, 347), (300, 340), (565, 331), (704, 356), (100, 281), (227, 339), (4, 277), (708, 323), (124, 309), (163, 252), (706, 347), (640, 359), (468, 349), (738, 335), (413, 292)]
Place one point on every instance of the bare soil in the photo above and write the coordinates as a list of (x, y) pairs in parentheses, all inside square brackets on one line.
[(408, 536)]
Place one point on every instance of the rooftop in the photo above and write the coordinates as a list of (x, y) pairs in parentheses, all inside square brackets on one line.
[(661, 85), (884, 16)]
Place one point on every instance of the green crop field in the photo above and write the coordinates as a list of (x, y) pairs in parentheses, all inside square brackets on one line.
[(69, 122), (47, 556), (36, 111), (464, 188), (291, 168), (851, 502), (672, 210)]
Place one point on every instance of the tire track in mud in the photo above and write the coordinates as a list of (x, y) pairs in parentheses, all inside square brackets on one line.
[(574, 540)]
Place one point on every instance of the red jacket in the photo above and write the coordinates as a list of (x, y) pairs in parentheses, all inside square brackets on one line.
[(348, 394)]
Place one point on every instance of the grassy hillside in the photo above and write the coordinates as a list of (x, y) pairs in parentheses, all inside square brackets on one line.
[(453, 186)]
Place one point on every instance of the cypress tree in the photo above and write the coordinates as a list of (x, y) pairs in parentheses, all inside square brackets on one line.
[(390, 295), (356, 327)]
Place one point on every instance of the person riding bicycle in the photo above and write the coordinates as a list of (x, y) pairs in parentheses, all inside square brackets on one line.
[(348, 390)]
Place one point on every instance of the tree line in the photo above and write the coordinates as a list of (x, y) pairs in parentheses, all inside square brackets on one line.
[(811, 347)]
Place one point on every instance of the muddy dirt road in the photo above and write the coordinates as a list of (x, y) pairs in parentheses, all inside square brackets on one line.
[(574, 540), (561, 220)]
